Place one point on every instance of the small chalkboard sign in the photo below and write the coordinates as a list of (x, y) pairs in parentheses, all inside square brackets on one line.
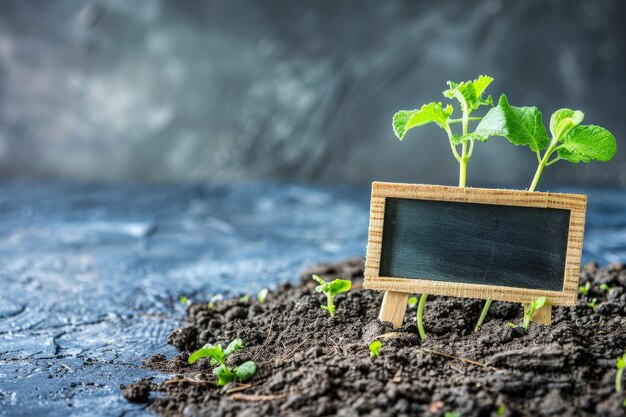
[(472, 242)]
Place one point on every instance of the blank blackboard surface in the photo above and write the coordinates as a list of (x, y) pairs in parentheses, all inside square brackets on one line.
[(511, 246)]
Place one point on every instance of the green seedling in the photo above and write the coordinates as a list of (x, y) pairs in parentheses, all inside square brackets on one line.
[(621, 364), (375, 348), (262, 295), (452, 414), (500, 411), (215, 298), (330, 289), (584, 289), (184, 300), (420, 316), (568, 139), (605, 287), (469, 95), (244, 299), (412, 302), (535, 305), (592, 304), (218, 357)]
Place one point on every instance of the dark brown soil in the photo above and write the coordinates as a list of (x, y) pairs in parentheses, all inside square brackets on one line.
[(312, 365)]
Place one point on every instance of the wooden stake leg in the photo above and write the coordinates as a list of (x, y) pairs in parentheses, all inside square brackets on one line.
[(543, 315), (394, 307)]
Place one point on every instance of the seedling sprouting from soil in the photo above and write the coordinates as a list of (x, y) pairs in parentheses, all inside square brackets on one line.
[(215, 298), (584, 289), (568, 139), (375, 348), (184, 300), (469, 94), (420, 316), (262, 295), (330, 289), (244, 299), (412, 302), (605, 287), (621, 364), (535, 305), (218, 356), (592, 304)]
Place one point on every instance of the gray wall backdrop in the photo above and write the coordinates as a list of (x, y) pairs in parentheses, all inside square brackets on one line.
[(148, 90)]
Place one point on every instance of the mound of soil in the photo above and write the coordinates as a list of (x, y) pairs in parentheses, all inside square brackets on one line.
[(312, 365)]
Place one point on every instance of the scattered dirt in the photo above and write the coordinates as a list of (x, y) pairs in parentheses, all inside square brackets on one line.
[(312, 365), (138, 392)]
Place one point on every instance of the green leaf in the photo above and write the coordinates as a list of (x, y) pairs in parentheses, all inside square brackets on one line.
[(208, 351), (245, 371), (621, 362), (520, 125), (224, 375), (184, 300), (538, 303), (586, 143), (339, 285), (405, 120), (469, 93), (262, 295), (375, 348), (412, 302), (564, 119), (233, 346)]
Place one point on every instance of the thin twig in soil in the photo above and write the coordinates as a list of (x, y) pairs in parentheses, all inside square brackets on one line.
[(293, 351), (267, 338), (193, 381), (253, 397), (239, 388), (472, 362)]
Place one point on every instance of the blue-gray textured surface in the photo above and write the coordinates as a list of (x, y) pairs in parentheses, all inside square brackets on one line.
[(292, 90), (90, 275)]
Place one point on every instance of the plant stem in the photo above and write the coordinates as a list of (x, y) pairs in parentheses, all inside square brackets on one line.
[(471, 119), (483, 314), (462, 171), (618, 380), (331, 305), (542, 164), (420, 316)]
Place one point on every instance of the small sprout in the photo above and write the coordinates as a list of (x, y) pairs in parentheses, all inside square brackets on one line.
[(535, 305), (605, 287), (213, 300), (218, 356), (500, 411), (262, 295), (420, 316), (375, 348), (592, 304), (452, 414), (412, 302), (621, 364), (244, 299), (184, 300), (584, 289), (330, 289)]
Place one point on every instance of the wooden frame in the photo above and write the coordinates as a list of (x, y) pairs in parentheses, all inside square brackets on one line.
[(397, 287)]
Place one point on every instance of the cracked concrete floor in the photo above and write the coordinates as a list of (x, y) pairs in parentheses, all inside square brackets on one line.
[(90, 274)]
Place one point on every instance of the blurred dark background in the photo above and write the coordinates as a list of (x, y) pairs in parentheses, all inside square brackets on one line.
[(293, 90)]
